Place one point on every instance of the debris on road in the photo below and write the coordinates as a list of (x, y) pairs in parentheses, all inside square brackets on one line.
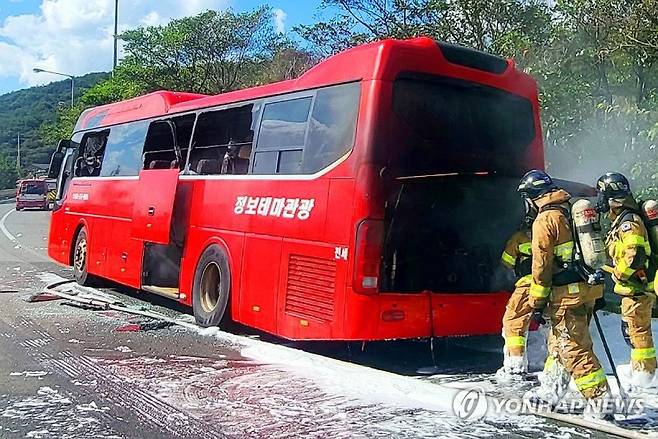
[(29, 374), (146, 325), (42, 297), (91, 305)]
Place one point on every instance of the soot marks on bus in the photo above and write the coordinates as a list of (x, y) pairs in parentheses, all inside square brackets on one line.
[(452, 184), (445, 234)]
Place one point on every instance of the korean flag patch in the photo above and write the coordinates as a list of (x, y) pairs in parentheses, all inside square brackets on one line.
[(625, 227)]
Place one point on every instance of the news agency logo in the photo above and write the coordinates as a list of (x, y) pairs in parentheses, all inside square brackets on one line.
[(470, 404)]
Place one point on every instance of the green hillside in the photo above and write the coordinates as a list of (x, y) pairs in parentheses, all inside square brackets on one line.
[(26, 110)]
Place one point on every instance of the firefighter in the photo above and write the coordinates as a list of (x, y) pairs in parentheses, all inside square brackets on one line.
[(555, 283), (633, 273), (517, 312)]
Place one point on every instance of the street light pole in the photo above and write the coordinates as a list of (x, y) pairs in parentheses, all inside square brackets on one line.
[(116, 36), (71, 77)]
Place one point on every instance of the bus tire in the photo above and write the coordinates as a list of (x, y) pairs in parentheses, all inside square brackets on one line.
[(212, 286), (81, 259)]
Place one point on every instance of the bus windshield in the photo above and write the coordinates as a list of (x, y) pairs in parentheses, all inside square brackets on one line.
[(450, 125)]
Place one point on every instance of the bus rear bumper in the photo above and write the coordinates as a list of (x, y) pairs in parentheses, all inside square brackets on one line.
[(388, 316), (467, 314)]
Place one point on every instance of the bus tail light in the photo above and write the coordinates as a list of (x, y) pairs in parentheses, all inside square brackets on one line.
[(369, 241)]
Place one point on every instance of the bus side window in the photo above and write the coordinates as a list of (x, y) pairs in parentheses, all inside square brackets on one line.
[(123, 152), (332, 126), (167, 143), (159, 145), (223, 140), (90, 155), (184, 125), (281, 138)]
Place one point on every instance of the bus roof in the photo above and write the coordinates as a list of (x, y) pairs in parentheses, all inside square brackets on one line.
[(378, 60)]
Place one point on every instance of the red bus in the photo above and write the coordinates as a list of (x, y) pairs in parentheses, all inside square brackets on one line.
[(369, 199)]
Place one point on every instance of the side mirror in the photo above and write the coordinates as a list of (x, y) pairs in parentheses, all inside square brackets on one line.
[(55, 164)]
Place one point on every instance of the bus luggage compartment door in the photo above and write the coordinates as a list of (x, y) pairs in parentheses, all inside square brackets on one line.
[(154, 204)]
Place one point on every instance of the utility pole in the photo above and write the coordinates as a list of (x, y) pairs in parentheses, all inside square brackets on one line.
[(18, 151), (116, 35)]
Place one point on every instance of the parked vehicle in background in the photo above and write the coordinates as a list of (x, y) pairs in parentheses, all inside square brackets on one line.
[(368, 199), (32, 194)]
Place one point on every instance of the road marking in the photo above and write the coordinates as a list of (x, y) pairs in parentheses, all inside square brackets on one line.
[(3, 228), (17, 244)]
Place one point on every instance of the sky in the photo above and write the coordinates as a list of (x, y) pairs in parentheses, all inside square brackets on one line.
[(75, 36)]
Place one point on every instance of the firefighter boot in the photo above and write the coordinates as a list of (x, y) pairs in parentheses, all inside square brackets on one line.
[(601, 408), (515, 329), (514, 367), (553, 384), (636, 313)]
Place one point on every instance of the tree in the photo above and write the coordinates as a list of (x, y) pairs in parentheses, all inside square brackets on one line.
[(8, 172), (599, 91), (212, 52), (594, 60), (505, 26)]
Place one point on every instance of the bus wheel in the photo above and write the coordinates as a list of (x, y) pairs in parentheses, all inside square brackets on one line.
[(212, 284), (80, 259)]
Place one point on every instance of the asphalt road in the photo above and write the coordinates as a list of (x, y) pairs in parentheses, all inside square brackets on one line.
[(67, 372)]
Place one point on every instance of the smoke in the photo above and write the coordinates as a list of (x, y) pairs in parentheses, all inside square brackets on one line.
[(580, 160), (608, 142)]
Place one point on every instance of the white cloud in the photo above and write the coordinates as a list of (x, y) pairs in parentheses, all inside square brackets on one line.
[(280, 20), (75, 36)]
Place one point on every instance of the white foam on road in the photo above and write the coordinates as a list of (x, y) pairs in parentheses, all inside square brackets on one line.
[(334, 376)]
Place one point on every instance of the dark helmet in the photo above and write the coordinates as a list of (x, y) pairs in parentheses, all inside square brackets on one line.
[(536, 183), (613, 185)]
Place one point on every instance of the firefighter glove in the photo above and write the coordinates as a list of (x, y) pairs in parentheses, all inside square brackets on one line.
[(537, 316)]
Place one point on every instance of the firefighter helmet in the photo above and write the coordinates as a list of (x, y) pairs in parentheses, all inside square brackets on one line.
[(613, 185), (536, 183)]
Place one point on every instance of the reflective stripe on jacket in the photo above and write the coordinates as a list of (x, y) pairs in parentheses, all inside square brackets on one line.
[(628, 246), (517, 250)]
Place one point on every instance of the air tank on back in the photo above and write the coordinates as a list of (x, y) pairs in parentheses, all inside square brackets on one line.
[(590, 237), (650, 214)]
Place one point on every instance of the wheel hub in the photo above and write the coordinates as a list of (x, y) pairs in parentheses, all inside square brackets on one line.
[(80, 259), (210, 281)]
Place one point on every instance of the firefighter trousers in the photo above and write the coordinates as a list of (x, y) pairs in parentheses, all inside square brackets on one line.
[(516, 320), (570, 345), (636, 312)]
